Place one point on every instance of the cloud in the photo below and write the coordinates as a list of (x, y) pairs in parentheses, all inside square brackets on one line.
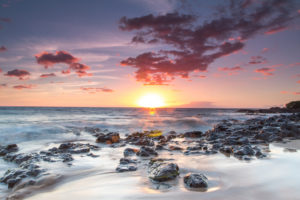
[(298, 81), (191, 45), (237, 68), (49, 59), (284, 92), (47, 75), (3, 85), (257, 60), (0, 70), (264, 50), (275, 30), (3, 48), (21, 74), (296, 93), (21, 87), (265, 71), (98, 89)]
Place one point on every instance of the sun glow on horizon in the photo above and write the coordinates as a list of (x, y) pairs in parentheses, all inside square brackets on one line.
[(151, 100)]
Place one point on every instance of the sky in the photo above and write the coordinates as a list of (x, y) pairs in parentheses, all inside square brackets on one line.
[(110, 53)]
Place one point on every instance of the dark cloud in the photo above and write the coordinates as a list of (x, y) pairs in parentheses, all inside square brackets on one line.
[(49, 59), (257, 60), (265, 71), (98, 89), (21, 87), (3, 48), (47, 75), (193, 46), (21, 74)]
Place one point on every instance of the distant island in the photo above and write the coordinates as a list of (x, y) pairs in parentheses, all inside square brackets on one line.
[(291, 107)]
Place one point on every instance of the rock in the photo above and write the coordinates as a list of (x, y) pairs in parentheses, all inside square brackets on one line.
[(126, 165), (160, 171), (195, 181), (146, 151), (92, 155), (66, 157), (129, 152), (109, 138), (8, 149), (193, 134), (126, 168), (226, 150), (11, 148), (244, 150), (175, 148), (12, 182)]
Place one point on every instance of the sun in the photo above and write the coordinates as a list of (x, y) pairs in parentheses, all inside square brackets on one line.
[(151, 101)]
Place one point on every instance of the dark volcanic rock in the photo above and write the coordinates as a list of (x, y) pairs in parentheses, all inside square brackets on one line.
[(108, 138), (126, 165), (129, 152), (160, 171), (146, 151), (193, 134), (196, 181)]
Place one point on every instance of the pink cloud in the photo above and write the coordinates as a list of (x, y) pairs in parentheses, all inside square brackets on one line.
[(193, 45), (298, 81), (296, 93), (21, 74), (47, 75), (257, 60), (265, 71), (264, 50), (49, 59), (237, 68), (98, 89), (21, 87), (275, 30)]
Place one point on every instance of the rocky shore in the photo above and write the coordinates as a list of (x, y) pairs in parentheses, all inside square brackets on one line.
[(243, 140)]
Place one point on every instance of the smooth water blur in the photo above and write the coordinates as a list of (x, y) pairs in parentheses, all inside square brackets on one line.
[(40, 128), (36, 124)]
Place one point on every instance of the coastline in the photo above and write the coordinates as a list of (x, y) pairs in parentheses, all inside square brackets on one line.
[(228, 144)]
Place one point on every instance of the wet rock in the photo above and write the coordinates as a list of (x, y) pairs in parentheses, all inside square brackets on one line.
[(8, 149), (109, 138), (146, 151), (195, 181), (193, 134), (66, 157), (175, 148), (129, 152), (126, 168), (161, 171), (226, 150), (92, 155), (126, 165), (244, 150)]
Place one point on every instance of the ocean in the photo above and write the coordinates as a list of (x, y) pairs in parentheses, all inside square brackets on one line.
[(35, 129)]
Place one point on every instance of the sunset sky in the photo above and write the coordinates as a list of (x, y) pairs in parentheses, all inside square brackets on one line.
[(112, 52)]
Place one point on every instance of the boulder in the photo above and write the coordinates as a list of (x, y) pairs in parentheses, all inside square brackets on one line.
[(109, 138), (193, 134), (146, 151), (161, 171), (195, 180)]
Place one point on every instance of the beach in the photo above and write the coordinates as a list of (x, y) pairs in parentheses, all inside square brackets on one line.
[(62, 143)]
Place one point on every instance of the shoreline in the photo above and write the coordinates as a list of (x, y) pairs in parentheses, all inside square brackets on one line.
[(247, 141)]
